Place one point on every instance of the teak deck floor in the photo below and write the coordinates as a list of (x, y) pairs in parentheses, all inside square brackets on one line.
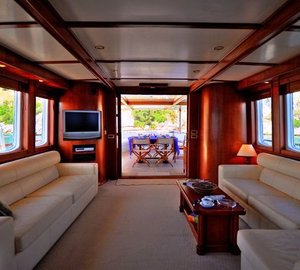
[(143, 170)]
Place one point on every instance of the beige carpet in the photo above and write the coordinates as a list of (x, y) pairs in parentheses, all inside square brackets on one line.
[(133, 228), (132, 182)]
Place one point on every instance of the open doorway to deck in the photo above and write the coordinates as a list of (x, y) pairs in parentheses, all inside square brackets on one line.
[(153, 118)]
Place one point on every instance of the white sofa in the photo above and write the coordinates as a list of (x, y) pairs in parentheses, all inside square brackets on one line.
[(269, 191), (270, 194), (45, 197), (269, 249)]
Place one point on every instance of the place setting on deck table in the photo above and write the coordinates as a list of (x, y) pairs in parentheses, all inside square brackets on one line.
[(151, 146)]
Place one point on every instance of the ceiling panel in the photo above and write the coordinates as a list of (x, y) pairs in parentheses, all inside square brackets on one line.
[(158, 70), (34, 43), (173, 43), (281, 48), (10, 11), (151, 53), (239, 11), (71, 71), (240, 72), (173, 83)]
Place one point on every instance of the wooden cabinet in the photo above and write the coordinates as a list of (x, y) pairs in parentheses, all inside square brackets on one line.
[(84, 152)]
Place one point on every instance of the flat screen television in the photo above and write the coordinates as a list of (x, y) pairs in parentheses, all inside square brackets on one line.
[(81, 124)]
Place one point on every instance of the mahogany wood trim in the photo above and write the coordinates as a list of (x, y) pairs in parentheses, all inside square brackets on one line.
[(119, 24), (285, 16), (18, 24), (286, 67), (24, 68), (290, 154), (154, 102), (47, 17), (56, 62), (112, 61), (276, 116), (31, 117)]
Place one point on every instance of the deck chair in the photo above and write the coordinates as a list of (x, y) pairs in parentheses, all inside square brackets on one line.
[(141, 149), (164, 147)]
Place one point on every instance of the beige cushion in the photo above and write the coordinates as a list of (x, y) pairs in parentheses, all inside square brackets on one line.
[(281, 210), (283, 165), (11, 193), (67, 185), (21, 177), (65, 169), (239, 171), (287, 184), (243, 188), (8, 174), (34, 215), (35, 181), (14, 170), (270, 249)]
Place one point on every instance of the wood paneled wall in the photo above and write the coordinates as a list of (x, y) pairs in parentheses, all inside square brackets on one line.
[(192, 158), (84, 96), (222, 128)]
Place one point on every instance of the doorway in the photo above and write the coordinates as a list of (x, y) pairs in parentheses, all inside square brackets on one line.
[(153, 117)]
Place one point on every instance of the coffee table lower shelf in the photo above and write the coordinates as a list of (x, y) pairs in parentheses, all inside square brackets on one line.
[(215, 229)]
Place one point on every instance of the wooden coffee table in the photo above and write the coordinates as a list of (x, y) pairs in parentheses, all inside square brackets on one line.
[(216, 229)]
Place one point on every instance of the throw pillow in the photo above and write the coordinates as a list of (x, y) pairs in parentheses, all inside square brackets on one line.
[(5, 210)]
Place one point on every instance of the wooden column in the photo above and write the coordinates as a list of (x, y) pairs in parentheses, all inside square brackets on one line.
[(222, 128), (276, 115), (192, 155), (110, 129)]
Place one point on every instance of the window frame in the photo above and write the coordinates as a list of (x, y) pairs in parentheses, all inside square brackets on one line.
[(46, 119), (17, 126), (289, 119), (259, 123)]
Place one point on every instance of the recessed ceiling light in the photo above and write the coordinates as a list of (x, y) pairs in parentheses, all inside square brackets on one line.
[(267, 82), (218, 48), (2, 66), (99, 47), (40, 80)]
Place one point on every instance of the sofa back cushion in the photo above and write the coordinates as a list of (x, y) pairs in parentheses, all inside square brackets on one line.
[(280, 173), (21, 177)]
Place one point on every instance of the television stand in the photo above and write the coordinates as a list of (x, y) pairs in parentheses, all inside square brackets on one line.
[(84, 152)]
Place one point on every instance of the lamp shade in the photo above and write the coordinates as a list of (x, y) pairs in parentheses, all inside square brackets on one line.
[(247, 150)]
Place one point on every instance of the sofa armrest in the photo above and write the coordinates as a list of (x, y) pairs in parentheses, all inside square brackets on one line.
[(65, 169), (7, 244), (240, 171)]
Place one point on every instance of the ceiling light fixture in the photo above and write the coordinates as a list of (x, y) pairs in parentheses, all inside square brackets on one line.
[(2, 66), (267, 82), (99, 47), (40, 80), (218, 48)]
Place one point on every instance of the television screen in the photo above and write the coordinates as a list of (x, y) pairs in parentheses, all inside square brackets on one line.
[(82, 124)]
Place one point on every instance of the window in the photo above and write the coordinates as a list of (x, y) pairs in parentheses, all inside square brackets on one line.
[(41, 121), (264, 121), (293, 121), (9, 120)]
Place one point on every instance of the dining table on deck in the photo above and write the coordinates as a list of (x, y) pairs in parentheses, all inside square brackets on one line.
[(153, 139)]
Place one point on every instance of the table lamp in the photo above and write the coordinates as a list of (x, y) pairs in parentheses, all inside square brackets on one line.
[(248, 151)]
